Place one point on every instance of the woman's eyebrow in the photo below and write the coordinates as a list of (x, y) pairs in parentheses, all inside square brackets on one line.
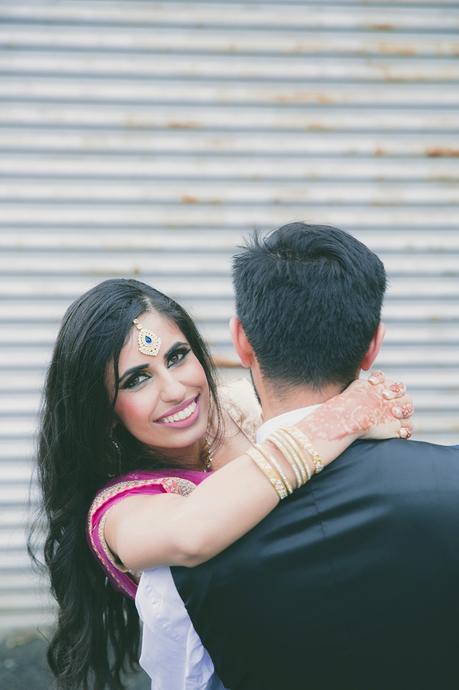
[(137, 369), (172, 349)]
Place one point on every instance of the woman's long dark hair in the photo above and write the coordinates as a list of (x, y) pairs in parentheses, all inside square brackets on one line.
[(97, 635)]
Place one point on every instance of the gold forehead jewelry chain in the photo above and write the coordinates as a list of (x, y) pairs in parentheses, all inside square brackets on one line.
[(149, 343)]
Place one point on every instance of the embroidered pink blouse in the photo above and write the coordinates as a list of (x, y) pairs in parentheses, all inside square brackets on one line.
[(142, 482)]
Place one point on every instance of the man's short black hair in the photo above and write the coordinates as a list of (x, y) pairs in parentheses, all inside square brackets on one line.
[(309, 298)]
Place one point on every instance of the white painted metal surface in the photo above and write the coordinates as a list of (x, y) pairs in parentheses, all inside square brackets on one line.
[(146, 138)]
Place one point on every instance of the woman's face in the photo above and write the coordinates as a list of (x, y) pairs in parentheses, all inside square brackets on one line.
[(163, 400)]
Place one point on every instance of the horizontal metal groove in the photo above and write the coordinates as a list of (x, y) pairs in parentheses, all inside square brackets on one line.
[(319, 91), (376, 80), (205, 16), (115, 51), (275, 106), (205, 129), (338, 4), (80, 154), (180, 141), (444, 179), (206, 227), (236, 41), (172, 216), (242, 161), (266, 29), (374, 152), (227, 41), (229, 204), (373, 22), (77, 252)]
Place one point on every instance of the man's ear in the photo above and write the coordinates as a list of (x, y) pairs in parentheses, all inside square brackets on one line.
[(241, 343), (374, 348)]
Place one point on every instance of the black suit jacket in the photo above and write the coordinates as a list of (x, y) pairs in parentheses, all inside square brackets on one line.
[(352, 583)]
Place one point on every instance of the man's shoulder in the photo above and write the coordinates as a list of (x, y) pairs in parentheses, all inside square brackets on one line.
[(400, 448)]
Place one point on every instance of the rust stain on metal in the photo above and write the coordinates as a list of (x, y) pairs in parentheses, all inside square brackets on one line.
[(189, 199), (396, 49), (325, 99), (181, 124), (383, 26), (442, 152)]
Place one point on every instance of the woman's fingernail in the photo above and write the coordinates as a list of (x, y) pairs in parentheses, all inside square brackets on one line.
[(373, 380), (397, 411), (388, 394)]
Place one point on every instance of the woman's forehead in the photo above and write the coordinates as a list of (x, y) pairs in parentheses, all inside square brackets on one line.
[(158, 323)]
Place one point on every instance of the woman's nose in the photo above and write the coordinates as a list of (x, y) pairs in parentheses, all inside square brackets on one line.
[(171, 389)]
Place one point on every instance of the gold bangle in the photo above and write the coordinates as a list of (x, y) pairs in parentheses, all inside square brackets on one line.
[(306, 444), (297, 454), (277, 440), (300, 452), (273, 461), (276, 465), (261, 462)]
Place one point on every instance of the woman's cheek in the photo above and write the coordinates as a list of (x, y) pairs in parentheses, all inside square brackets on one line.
[(131, 411)]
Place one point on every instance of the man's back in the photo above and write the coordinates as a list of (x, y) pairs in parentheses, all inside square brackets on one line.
[(352, 583)]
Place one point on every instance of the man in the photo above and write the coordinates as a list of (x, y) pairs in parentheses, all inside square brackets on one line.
[(353, 582)]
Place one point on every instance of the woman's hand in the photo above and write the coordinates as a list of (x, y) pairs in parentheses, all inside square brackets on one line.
[(375, 408), (389, 408), (381, 408), (394, 417)]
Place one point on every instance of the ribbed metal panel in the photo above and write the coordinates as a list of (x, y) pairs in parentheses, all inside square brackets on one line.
[(145, 138)]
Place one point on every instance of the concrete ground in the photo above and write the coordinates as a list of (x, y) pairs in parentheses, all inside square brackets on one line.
[(23, 664)]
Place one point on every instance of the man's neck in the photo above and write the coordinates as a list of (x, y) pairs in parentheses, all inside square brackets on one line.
[(275, 402)]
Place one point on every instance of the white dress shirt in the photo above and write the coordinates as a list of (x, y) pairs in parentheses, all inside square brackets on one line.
[(172, 652)]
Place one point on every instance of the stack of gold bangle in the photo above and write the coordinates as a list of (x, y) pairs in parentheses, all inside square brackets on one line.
[(295, 449), (307, 447)]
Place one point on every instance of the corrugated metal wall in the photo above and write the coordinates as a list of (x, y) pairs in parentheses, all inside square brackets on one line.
[(145, 138)]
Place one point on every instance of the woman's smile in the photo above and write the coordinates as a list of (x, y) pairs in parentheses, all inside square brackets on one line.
[(181, 416)]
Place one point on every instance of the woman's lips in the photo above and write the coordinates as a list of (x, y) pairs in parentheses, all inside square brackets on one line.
[(181, 416)]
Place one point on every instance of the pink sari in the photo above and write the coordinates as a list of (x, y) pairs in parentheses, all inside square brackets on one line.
[(164, 481)]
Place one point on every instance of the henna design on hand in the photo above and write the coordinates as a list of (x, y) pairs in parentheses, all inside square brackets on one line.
[(361, 407)]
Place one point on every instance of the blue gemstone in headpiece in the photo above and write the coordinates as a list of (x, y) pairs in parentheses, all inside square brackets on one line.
[(148, 339)]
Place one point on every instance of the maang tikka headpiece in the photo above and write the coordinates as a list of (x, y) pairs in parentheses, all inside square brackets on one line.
[(149, 342)]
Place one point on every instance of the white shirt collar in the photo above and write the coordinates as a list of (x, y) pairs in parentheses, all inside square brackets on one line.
[(286, 418)]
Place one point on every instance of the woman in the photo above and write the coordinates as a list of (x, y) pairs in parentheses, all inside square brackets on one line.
[(131, 425)]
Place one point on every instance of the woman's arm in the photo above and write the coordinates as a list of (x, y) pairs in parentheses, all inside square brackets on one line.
[(147, 531)]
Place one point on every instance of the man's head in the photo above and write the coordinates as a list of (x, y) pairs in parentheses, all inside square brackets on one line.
[(308, 299)]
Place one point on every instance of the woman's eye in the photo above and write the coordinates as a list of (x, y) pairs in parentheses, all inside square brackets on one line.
[(177, 356), (135, 381)]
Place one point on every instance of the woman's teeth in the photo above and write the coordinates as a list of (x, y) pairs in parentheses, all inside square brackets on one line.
[(183, 414)]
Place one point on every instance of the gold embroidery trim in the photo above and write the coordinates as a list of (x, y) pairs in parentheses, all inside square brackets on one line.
[(177, 485)]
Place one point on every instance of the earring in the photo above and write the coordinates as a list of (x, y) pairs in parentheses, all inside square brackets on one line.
[(115, 459)]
